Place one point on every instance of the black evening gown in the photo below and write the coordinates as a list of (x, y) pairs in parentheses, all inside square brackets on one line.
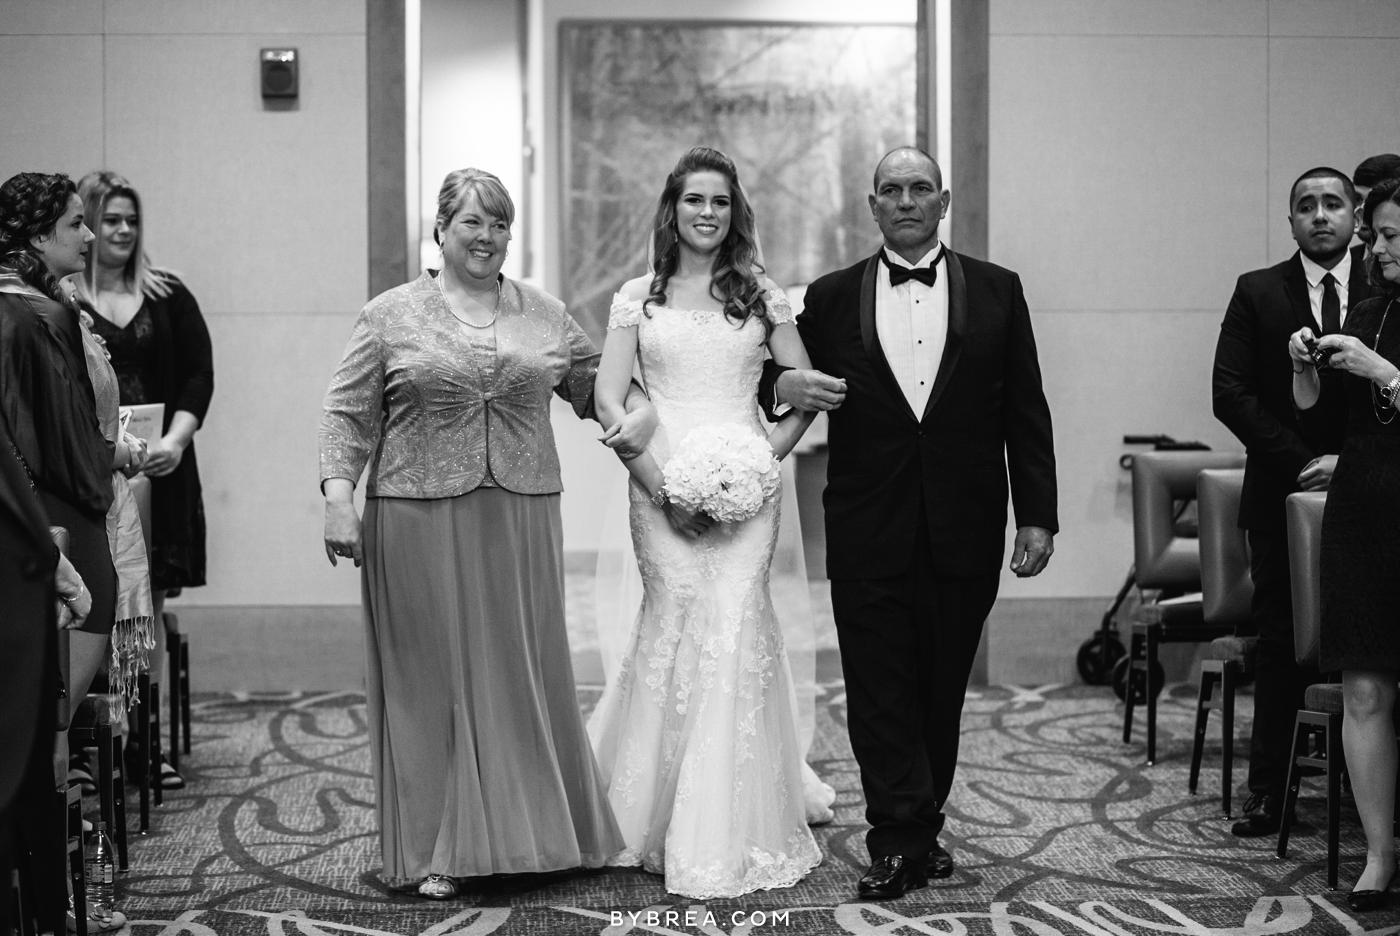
[(1361, 525), (163, 355)]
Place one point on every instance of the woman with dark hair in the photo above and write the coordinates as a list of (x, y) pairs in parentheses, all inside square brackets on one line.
[(46, 398), (481, 761), (697, 736), (1361, 537)]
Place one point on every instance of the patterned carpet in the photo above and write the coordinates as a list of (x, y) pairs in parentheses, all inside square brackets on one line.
[(1057, 827)]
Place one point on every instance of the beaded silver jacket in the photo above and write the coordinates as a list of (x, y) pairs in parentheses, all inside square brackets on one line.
[(438, 409)]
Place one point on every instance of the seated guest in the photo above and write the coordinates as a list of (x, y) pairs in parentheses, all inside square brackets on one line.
[(46, 397), (1370, 172), (1252, 384), (1361, 536)]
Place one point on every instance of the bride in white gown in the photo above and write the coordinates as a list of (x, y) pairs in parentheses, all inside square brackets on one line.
[(697, 737)]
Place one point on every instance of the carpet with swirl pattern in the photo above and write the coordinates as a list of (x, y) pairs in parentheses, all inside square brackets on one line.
[(1056, 825)]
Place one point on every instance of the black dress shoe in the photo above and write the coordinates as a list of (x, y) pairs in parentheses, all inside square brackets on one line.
[(1262, 816), (939, 862), (892, 876), (1364, 900)]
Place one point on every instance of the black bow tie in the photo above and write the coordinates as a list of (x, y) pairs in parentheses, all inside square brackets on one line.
[(902, 274)]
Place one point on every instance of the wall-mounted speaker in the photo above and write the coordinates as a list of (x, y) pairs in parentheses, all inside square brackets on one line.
[(279, 73)]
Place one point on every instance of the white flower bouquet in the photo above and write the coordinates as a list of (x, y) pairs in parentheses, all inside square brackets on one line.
[(725, 471)]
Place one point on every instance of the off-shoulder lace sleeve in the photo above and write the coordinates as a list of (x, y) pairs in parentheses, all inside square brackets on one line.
[(779, 309), (624, 312)]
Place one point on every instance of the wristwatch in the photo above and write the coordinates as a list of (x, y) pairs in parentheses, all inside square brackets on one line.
[(659, 499), (1390, 391)]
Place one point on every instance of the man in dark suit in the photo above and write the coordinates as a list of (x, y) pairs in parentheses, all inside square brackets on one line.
[(931, 358), (1253, 397)]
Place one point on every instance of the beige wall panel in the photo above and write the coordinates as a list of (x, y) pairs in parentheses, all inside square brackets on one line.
[(53, 125), (1129, 17), (1332, 102), (263, 210), (1359, 18), (259, 462), (1127, 173), (1109, 374), (59, 17), (235, 16)]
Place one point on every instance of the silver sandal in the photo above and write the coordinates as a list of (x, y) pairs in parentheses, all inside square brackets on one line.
[(438, 887)]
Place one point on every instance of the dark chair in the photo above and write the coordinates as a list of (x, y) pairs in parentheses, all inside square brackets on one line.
[(178, 651), (94, 729), (70, 803), (1167, 561), (1226, 594), (67, 813), (1317, 731)]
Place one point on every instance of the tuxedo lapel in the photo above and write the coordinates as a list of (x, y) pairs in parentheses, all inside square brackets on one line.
[(1295, 285), (957, 326), (870, 337)]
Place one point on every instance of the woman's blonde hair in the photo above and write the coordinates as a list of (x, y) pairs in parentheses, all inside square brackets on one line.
[(97, 189), (490, 192)]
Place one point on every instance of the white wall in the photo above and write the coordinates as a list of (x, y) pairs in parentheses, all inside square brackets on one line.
[(472, 105), (1141, 155), (591, 473), (262, 212)]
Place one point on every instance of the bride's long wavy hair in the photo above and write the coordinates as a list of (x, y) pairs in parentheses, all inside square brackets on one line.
[(733, 276)]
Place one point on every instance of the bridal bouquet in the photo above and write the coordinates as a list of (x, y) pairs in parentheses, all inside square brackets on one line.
[(725, 471)]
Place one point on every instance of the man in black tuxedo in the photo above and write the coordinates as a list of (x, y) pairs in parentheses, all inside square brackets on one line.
[(1253, 396), (932, 361)]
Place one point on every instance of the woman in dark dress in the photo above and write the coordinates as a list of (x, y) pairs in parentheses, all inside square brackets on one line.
[(1361, 537), (160, 350)]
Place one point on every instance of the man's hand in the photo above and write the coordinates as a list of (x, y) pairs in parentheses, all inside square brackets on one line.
[(1033, 549), (809, 390), (1318, 473)]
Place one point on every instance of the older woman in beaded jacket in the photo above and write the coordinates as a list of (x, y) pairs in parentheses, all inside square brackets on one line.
[(481, 762)]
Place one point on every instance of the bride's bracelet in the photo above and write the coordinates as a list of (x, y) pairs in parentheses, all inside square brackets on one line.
[(660, 498)]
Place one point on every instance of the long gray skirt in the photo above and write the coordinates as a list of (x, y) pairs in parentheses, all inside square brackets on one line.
[(481, 761)]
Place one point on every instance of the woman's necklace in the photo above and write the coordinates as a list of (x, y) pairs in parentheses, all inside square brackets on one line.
[(1375, 393), (495, 312)]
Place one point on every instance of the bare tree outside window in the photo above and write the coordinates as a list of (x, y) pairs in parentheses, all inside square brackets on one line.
[(804, 110)]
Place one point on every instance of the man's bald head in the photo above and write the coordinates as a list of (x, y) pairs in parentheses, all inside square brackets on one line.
[(908, 155)]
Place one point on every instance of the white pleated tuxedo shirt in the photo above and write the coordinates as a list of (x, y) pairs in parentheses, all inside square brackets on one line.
[(912, 322), (1314, 273)]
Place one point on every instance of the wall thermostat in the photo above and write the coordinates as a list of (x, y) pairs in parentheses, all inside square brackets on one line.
[(279, 73)]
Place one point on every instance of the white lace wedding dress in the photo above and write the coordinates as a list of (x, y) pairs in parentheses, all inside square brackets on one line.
[(697, 736)]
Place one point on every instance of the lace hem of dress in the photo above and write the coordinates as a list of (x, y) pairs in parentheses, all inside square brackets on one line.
[(766, 871)]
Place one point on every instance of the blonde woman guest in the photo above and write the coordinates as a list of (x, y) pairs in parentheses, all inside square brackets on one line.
[(481, 762), (159, 349)]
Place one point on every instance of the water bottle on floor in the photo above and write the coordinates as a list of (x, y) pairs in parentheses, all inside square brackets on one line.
[(101, 868)]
